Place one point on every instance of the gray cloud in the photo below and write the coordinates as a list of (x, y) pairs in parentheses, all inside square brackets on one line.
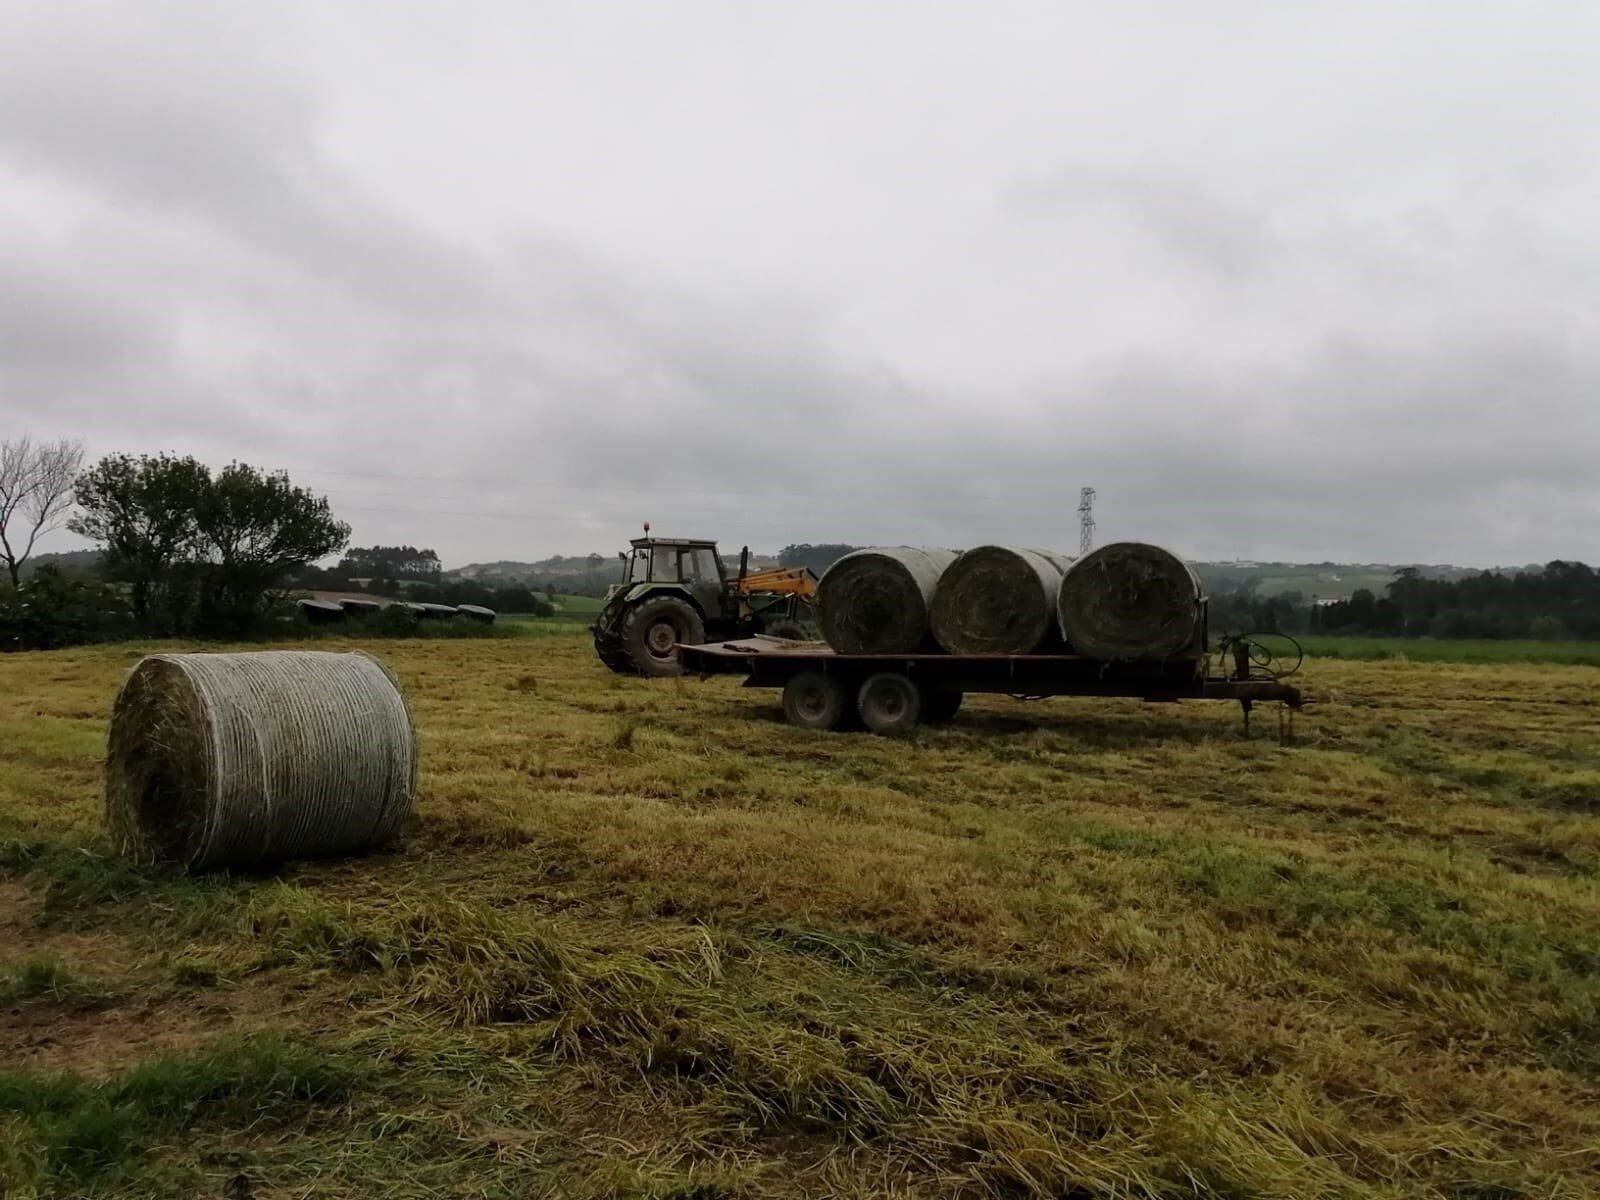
[(510, 283), (1175, 211)]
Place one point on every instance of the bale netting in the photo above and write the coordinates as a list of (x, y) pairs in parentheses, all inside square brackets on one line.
[(239, 760), (998, 600), (876, 601), (1130, 600)]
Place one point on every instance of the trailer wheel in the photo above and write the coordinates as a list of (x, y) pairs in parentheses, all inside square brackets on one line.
[(815, 700), (889, 703), (940, 704)]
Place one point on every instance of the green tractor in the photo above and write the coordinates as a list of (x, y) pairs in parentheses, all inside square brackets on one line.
[(677, 590)]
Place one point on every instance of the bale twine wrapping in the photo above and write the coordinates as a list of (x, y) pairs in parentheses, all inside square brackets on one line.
[(1130, 600), (237, 760), (876, 601), (998, 600)]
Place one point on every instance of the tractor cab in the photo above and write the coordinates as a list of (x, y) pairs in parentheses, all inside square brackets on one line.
[(687, 563)]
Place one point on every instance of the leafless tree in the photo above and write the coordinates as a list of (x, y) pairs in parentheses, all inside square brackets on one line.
[(35, 493)]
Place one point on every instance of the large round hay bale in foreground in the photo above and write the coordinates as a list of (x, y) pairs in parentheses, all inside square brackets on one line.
[(238, 760), (998, 600), (1130, 600), (876, 601)]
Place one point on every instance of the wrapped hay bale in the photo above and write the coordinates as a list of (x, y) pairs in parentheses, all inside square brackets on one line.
[(1130, 600), (998, 600), (876, 601), (237, 760)]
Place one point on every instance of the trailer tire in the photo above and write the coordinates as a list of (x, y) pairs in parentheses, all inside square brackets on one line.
[(940, 704), (889, 703), (815, 700)]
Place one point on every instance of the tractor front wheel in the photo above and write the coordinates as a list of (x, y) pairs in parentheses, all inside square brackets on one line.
[(653, 630)]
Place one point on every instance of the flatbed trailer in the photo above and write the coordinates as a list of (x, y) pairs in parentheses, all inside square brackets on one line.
[(892, 693)]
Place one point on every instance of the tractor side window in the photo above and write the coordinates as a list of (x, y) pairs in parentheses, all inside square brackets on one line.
[(663, 564), (636, 571), (700, 566)]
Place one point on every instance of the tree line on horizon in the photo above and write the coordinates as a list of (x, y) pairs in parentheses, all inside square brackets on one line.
[(188, 551), (183, 550), (1557, 601)]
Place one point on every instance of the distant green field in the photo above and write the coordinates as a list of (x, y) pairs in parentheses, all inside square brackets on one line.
[(1468, 650), (577, 604), (1271, 579)]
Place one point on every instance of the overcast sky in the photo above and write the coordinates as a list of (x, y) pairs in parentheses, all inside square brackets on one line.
[(1287, 280)]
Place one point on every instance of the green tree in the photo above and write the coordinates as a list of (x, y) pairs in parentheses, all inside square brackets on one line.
[(255, 528), (141, 512), (202, 553), (390, 562), (1547, 629)]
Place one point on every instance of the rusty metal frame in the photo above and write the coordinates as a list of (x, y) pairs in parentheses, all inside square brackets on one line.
[(772, 662)]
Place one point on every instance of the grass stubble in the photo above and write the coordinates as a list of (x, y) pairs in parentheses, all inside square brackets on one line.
[(646, 940)]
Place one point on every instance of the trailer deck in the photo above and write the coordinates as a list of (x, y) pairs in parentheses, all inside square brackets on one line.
[(892, 692)]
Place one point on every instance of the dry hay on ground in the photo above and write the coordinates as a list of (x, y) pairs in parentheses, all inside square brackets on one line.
[(646, 939)]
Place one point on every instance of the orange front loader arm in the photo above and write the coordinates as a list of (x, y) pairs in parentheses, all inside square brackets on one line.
[(778, 581)]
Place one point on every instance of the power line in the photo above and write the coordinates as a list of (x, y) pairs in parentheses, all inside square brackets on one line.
[(1085, 521), (673, 514), (651, 489)]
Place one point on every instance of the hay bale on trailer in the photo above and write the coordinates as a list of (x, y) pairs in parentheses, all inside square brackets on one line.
[(998, 600), (237, 760), (1131, 600), (876, 601)]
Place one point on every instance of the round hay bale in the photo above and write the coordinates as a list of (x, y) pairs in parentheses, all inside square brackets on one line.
[(238, 760), (1130, 600), (876, 601), (998, 600)]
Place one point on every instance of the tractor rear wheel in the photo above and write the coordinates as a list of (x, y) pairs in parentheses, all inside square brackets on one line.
[(613, 653), (889, 703), (653, 630), (815, 700)]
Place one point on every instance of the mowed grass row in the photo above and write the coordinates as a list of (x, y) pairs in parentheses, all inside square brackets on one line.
[(646, 940)]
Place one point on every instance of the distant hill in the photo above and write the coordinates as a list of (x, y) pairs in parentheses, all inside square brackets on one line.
[(591, 574), (510, 571), (1325, 580), (69, 562), (574, 575)]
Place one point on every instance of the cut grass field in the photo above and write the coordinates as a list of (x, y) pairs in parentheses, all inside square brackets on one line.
[(646, 940)]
